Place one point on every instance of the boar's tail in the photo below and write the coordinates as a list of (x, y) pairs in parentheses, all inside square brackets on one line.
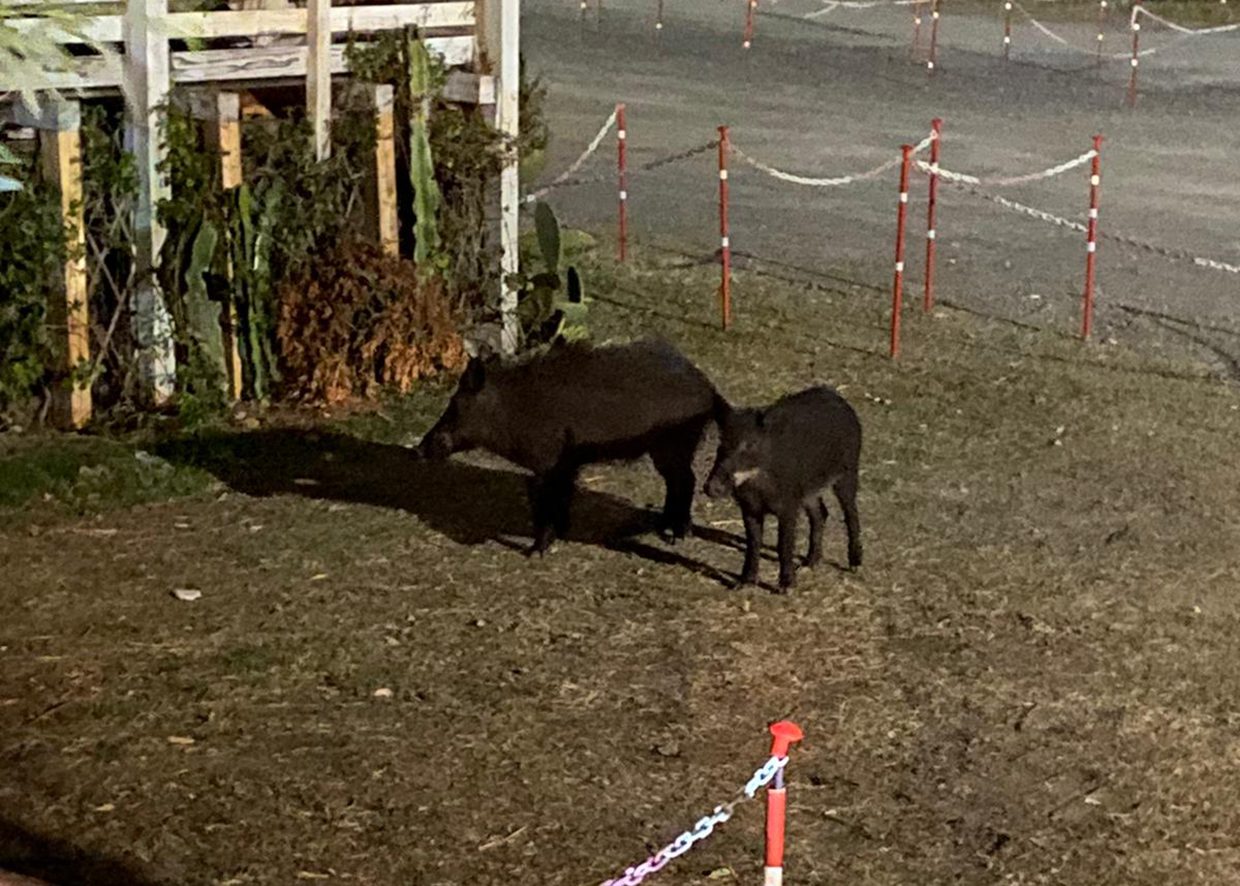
[(721, 409)]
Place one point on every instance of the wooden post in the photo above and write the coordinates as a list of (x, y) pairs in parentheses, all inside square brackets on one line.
[(146, 87), (381, 201), (319, 74), (223, 114), (509, 124), (60, 141), (487, 35)]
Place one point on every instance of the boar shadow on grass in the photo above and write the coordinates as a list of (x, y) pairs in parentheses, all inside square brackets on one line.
[(58, 862), (468, 503)]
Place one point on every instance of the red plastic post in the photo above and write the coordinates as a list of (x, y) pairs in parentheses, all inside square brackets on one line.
[(752, 8), (1007, 29), (897, 288), (1091, 240), (783, 735), (1136, 54), (1102, 15), (622, 164), (725, 245), (932, 200), (934, 38)]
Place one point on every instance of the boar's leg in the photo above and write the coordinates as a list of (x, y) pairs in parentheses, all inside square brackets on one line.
[(673, 458), (816, 510), (755, 521), (787, 548), (550, 494), (846, 492)]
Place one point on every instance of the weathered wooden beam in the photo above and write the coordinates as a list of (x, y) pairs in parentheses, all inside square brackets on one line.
[(250, 22), (213, 65), (319, 75), (466, 88), (148, 85), (487, 35), (508, 122), (222, 113), (60, 139), (382, 208)]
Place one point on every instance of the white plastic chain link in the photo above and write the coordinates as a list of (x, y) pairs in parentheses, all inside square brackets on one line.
[(832, 5), (998, 181), (702, 829), (1154, 248), (828, 182), (1039, 214), (1191, 32), (1122, 56), (578, 163)]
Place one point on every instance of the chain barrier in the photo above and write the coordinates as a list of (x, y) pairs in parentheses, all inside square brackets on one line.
[(830, 6), (828, 182), (636, 171), (1031, 212), (1000, 182), (1181, 29), (706, 825), (567, 174), (1166, 252), (1171, 253)]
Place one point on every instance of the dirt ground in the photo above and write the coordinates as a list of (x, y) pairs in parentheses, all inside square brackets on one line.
[(1031, 680), (840, 93)]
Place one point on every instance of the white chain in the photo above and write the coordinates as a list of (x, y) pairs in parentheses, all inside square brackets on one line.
[(578, 163), (835, 181), (701, 829), (1192, 32), (964, 178), (1039, 214), (1112, 56)]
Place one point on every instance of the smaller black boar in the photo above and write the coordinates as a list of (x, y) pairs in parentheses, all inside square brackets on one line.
[(579, 405), (778, 460)]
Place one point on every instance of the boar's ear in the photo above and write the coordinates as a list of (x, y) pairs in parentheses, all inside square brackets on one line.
[(474, 376)]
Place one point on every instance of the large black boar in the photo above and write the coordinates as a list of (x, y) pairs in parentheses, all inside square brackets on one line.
[(579, 405), (778, 460)]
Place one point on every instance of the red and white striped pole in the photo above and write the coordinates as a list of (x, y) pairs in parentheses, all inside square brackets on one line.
[(622, 163), (783, 734), (1091, 240), (1136, 54), (1007, 29), (916, 28), (752, 8), (934, 37), (1102, 15), (897, 288), (936, 136), (725, 245)]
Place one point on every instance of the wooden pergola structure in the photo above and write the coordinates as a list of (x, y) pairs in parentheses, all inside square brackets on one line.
[(478, 41)]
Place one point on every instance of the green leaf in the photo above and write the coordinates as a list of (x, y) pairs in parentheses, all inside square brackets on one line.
[(537, 306), (576, 292), (546, 280), (548, 228)]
